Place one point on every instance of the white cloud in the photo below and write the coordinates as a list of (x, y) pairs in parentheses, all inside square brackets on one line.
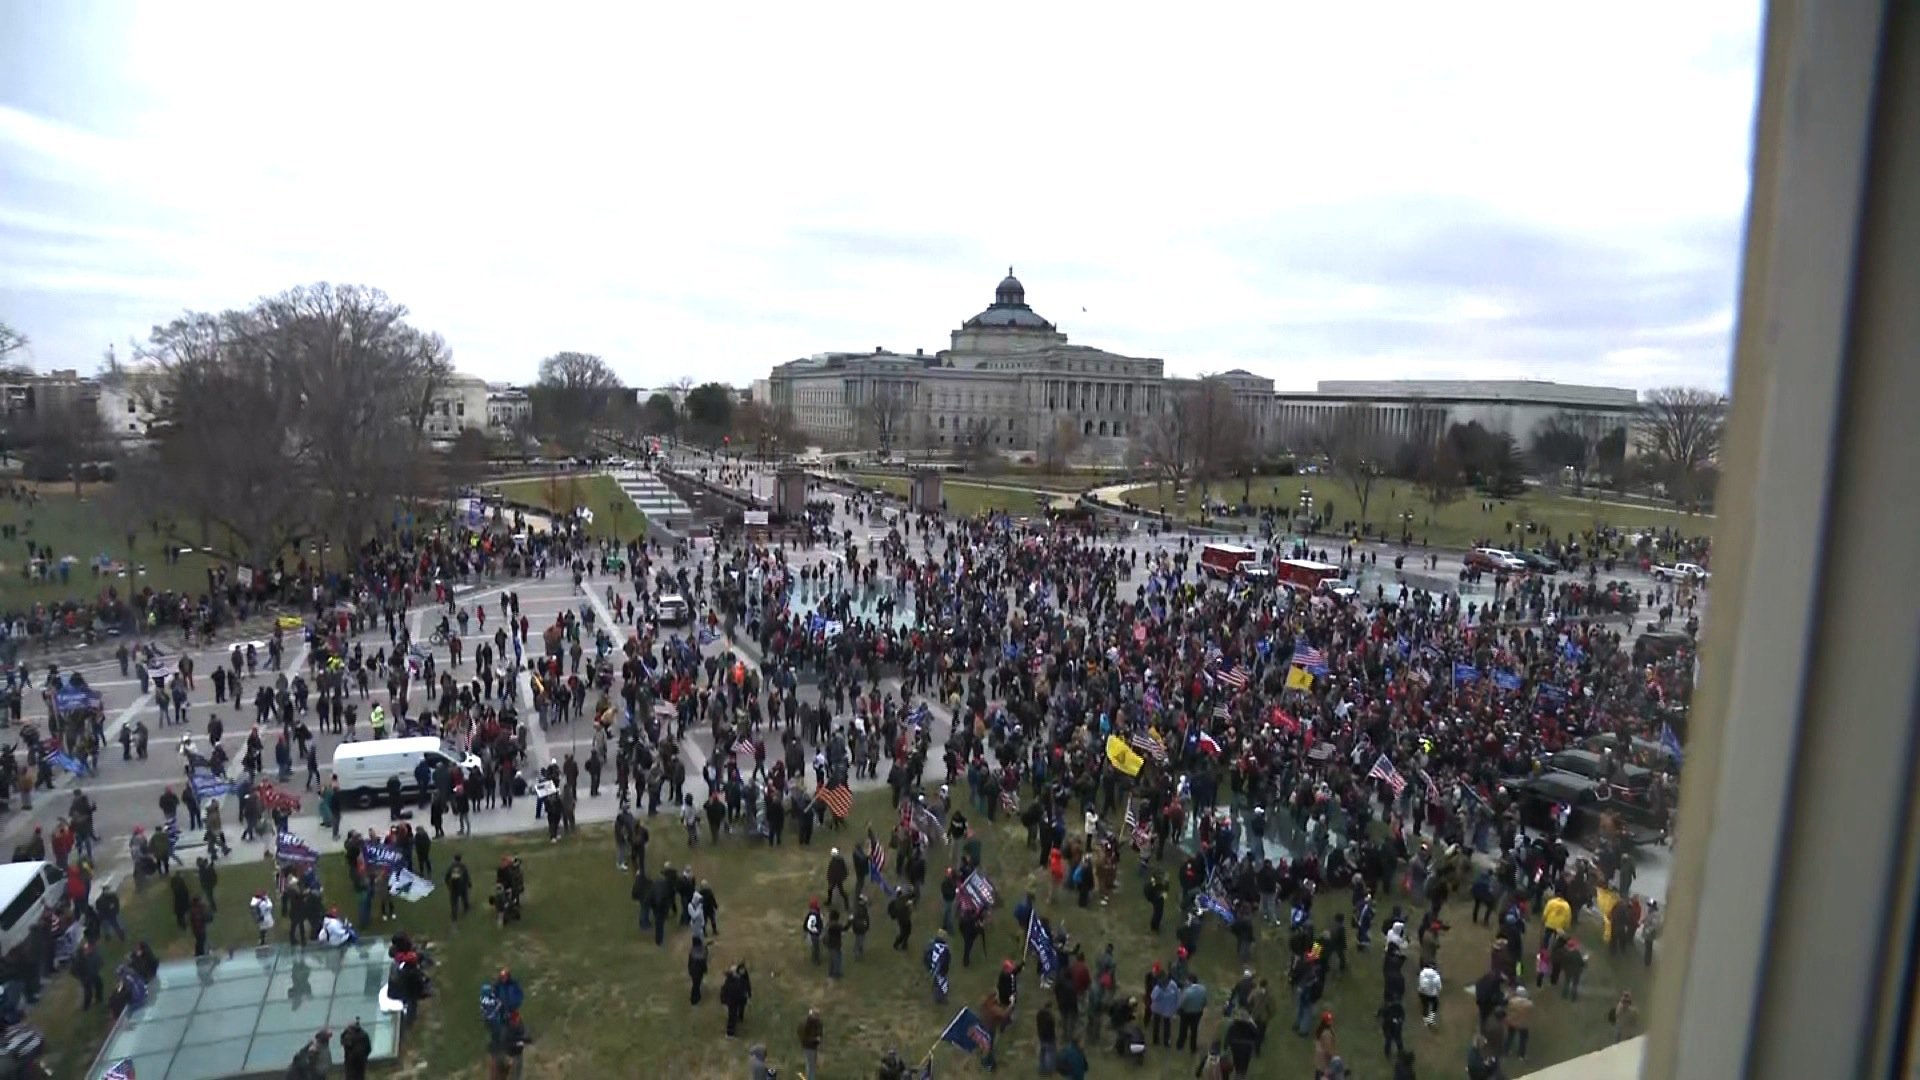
[(708, 191)]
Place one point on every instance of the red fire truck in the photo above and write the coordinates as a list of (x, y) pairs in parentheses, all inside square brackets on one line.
[(1223, 561), (1305, 575)]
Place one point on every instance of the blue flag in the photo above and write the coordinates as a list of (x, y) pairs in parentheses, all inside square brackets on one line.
[(968, 1032), (60, 759), (708, 635), (1219, 907), (1506, 680), (1040, 940), (207, 786), (1465, 673), (385, 855), (288, 848), (1671, 741), (1553, 695)]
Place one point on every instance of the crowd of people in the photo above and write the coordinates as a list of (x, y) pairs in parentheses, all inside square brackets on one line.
[(1290, 763)]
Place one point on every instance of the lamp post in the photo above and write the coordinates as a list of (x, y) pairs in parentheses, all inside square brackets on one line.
[(1306, 508)]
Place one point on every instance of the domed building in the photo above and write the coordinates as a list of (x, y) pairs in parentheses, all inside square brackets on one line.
[(1008, 381)]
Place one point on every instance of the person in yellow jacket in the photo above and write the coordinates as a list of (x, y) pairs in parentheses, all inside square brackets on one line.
[(378, 718), (1557, 915)]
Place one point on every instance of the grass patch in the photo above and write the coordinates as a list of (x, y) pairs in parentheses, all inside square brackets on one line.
[(1458, 524), (615, 517), (86, 527), (601, 996), (967, 499)]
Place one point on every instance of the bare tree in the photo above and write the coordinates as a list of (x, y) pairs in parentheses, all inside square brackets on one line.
[(11, 341), (59, 439), (1439, 474), (1680, 429), (226, 452), (1058, 446), (1564, 441), (1216, 429), (308, 408), (883, 418), (576, 394), (1358, 452)]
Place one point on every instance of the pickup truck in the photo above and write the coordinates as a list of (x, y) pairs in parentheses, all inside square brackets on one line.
[(1685, 571)]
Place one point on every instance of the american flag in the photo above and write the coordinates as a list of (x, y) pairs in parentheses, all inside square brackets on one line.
[(1235, 678), (1384, 770), (1009, 801), (1306, 656), (743, 745), (1140, 830), (1143, 742), (878, 861), (839, 801), (1222, 711)]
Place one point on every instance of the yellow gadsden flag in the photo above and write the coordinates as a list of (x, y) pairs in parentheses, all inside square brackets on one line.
[(1299, 679), (1123, 757)]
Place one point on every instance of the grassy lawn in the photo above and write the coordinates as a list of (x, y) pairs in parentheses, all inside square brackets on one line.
[(614, 515), (601, 998), (965, 499), (85, 528), (1458, 524)]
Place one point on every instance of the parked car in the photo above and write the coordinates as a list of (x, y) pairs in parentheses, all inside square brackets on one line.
[(1494, 560), (1693, 573), (1538, 563), (673, 610)]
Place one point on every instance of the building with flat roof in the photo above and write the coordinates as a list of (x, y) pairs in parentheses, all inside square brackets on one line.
[(1423, 409)]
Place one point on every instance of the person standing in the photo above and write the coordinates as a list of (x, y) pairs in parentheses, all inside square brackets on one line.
[(836, 935), (86, 971), (1193, 1005), (459, 887), (356, 1048), (696, 969), (812, 1031), (735, 992)]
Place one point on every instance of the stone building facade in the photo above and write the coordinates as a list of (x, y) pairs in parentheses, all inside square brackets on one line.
[(1007, 381), (1010, 378)]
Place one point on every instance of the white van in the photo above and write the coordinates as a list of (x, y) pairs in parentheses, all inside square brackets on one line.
[(27, 890), (363, 767)]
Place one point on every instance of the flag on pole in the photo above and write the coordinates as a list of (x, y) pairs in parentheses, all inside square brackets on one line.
[(878, 860), (976, 893), (1507, 681), (60, 759), (1146, 743), (292, 850), (1306, 656), (1670, 742), (1234, 678), (1010, 800), (1040, 940), (1122, 757), (1465, 673), (838, 800), (968, 1032), (743, 745), (1299, 678), (1384, 770)]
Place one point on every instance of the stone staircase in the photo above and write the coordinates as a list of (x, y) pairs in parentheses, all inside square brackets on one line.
[(654, 499)]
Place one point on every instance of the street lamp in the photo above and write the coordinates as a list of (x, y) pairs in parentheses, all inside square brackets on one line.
[(1306, 507)]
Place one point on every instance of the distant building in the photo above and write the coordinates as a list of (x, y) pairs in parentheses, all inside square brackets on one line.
[(133, 397), (1008, 380), (456, 405), (508, 407), (1421, 410)]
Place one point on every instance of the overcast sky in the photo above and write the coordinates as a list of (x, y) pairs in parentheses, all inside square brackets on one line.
[(1303, 190)]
